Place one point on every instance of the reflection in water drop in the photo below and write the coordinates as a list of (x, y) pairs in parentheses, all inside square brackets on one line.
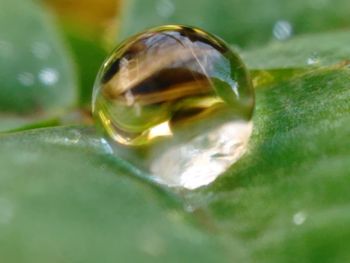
[(41, 50), (165, 8), (160, 130), (200, 161), (48, 76), (6, 211), (299, 218), (26, 79), (282, 30)]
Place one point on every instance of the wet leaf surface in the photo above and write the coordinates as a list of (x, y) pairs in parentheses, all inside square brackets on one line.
[(66, 196)]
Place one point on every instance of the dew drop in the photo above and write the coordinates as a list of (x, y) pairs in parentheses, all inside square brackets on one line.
[(165, 8), (49, 76), (313, 59), (26, 79), (299, 218), (72, 137), (179, 101), (282, 30)]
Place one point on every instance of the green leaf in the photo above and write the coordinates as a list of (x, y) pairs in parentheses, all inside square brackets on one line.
[(288, 198), (243, 23), (65, 198), (313, 50), (37, 76), (278, 61)]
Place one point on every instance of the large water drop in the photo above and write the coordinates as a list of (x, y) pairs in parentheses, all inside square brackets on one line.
[(179, 103)]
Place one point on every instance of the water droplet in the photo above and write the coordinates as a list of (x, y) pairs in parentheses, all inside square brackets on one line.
[(6, 211), (181, 99), (49, 76), (41, 50), (26, 79), (313, 59), (72, 137), (282, 30), (299, 218), (165, 8)]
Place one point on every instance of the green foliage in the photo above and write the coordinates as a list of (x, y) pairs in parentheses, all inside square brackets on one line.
[(62, 201), (288, 198), (66, 196)]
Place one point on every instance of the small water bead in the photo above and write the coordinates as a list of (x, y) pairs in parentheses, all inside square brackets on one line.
[(48, 76), (26, 79), (313, 59), (299, 218), (179, 100), (282, 30)]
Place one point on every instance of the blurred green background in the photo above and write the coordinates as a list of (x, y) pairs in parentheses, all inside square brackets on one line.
[(65, 196)]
